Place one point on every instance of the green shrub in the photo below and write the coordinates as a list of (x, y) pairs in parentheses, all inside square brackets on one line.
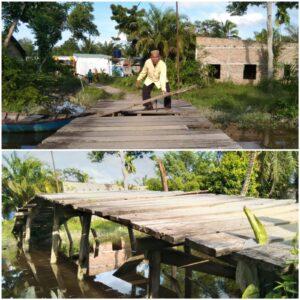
[(90, 95)]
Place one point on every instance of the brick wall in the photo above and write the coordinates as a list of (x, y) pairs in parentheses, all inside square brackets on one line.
[(233, 55)]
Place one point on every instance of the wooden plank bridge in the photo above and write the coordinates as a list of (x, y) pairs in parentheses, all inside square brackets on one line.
[(213, 230), (182, 127)]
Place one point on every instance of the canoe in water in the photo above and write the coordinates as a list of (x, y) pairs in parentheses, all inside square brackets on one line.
[(13, 122)]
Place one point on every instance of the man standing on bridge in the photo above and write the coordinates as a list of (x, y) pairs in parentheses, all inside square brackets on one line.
[(156, 71)]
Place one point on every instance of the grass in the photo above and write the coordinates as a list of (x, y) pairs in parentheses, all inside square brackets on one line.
[(246, 105), (7, 236), (106, 231), (92, 94)]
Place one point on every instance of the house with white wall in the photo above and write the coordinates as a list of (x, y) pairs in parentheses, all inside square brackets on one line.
[(96, 62)]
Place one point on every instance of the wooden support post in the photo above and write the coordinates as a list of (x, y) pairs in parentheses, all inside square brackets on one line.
[(71, 250), (26, 242), (84, 250), (188, 276), (55, 236), (154, 274), (97, 242), (132, 240)]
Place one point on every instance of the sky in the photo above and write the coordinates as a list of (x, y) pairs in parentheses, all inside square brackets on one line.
[(253, 21), (107, 172)]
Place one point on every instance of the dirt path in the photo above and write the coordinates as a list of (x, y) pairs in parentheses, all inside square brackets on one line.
[(113, 90)]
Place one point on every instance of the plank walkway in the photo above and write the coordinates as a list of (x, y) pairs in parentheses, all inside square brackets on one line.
[(183, 127), (213, 224)]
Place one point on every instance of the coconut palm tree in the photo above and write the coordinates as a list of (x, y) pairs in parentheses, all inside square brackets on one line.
[(252, 157), (126, 159), (229, 30), (156, 31), (22, 179), (278, 170)]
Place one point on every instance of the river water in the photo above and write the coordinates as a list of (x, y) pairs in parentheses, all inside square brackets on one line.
[(32, 276), (247, 138)]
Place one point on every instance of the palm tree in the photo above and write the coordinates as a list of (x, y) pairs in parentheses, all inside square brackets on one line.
[(277, 172), (156, 31), (126, 158), (229, 30), (252, 157), (22, 179)]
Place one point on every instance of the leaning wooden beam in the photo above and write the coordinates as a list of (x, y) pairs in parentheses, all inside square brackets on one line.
[(97, 242), (71, 250), (154, 274), (55, 236), (150, 100), (187, 276), (132, 240), (84, 249), (26, 243)]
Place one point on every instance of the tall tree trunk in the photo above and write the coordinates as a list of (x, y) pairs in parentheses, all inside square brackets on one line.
[(163, 175), (270, 41), (13, 27), (249, 173), (124, 171)]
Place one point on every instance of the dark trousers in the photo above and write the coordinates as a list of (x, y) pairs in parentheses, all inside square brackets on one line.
[(147, 95)]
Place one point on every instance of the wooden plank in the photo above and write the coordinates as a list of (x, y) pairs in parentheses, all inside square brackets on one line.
[(55, 236), (183, 90), (89, 139), (216, 244), (132, 240), (103, 129), (26, 241), (83, 262), (271, 256), (224, 143)]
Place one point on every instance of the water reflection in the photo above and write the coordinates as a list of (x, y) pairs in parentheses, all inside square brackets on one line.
[(32, 276)]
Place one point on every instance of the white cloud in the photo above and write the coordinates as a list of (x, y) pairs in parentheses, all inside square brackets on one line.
[(250, 19)]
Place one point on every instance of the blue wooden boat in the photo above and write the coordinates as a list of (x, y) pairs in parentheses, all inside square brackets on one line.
[(14, 122)]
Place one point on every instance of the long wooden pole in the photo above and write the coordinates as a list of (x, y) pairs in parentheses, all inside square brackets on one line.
[(150, 100), (177, 46)]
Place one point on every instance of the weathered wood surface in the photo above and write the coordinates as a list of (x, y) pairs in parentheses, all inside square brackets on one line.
[(214, 224), (183, 127), (268, 256)]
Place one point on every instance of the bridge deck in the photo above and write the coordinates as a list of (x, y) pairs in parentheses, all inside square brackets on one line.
[(214, 224), (183, 127)]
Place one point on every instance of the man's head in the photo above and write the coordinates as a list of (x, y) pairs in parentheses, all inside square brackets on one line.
[(155, 56)]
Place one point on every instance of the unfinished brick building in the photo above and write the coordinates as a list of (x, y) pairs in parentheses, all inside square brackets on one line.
[(242, 61)]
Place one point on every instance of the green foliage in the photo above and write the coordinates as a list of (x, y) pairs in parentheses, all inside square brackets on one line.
[(186, 170), (22, 179), (26, 90), (90, 95), (251, 292), (229, 174), (155, 29), (277, 170), (257, 227), (248, 106), (74, 174), (28, 46), (287, 287), (282, 16), (47, 26), (80, 21), (214, 28), (191, 72)]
